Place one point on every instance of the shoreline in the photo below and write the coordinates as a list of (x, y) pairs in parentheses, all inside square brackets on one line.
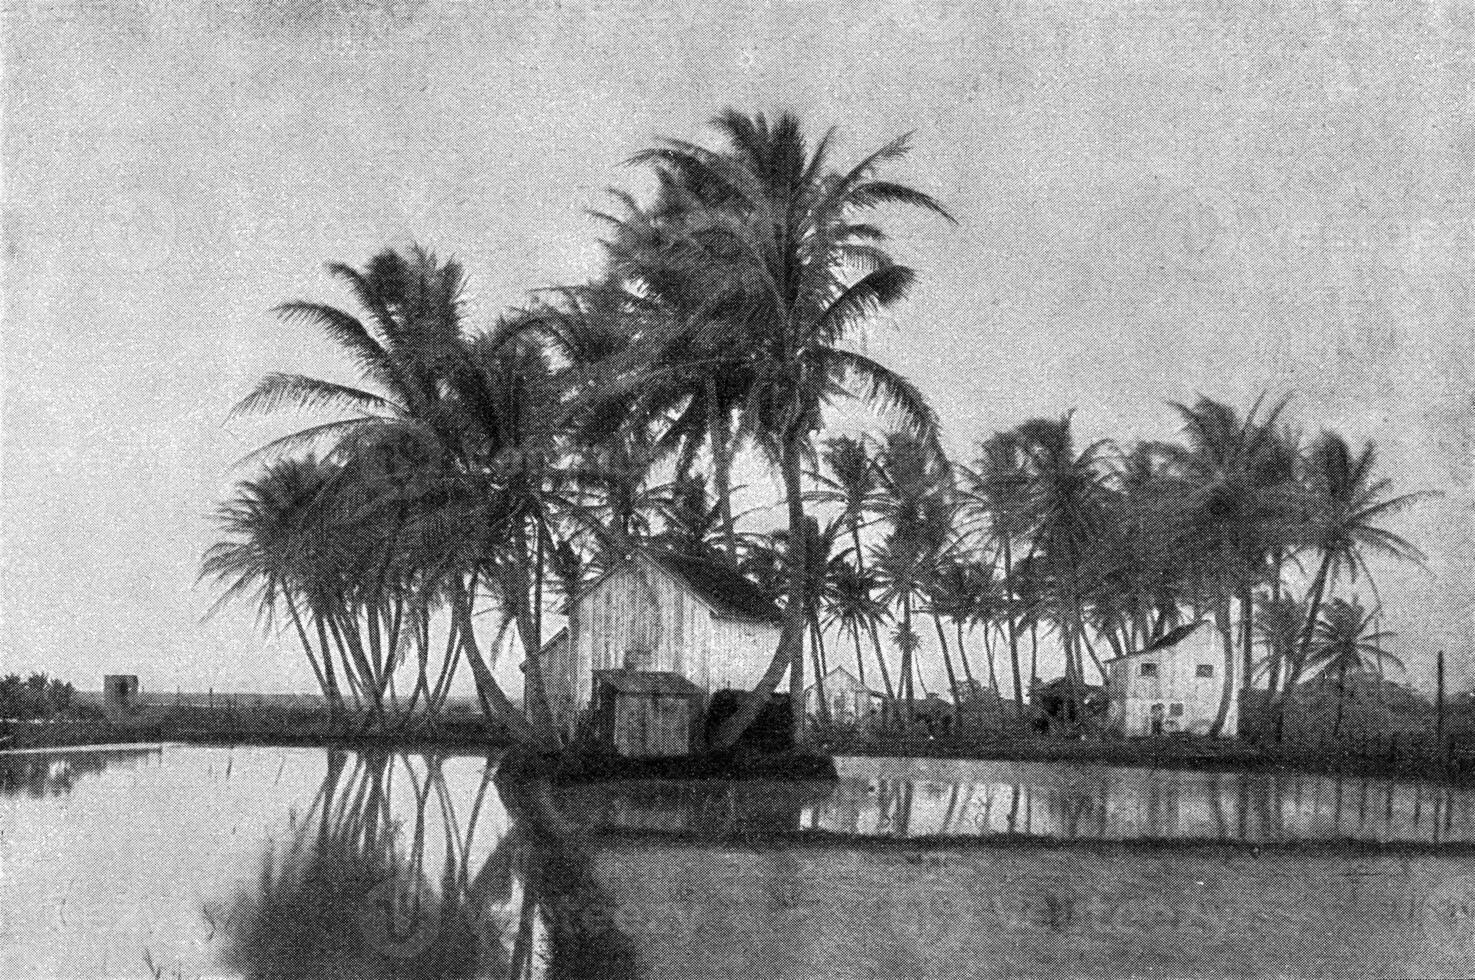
[(1177, 754)]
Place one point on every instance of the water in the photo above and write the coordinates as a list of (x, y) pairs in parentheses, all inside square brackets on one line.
[(266, 862), (914, 798)]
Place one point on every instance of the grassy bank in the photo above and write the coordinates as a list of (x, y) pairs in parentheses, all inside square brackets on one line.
[(256, 726)]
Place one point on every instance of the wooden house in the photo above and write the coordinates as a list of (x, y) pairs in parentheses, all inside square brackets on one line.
[(849, 701), (1173, 685), (658, 612)]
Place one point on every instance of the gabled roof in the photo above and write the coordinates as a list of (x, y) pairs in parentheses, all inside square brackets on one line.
[(646, 682), (724, 589), (1171, 638), (842, 672), (719, 585)]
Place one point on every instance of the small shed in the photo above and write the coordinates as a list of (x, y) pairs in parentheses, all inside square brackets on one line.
[(645, 713), (119, 693), (1173, 685), (849, 701)]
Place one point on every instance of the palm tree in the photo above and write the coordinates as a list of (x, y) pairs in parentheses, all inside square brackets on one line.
[(682, 373), (1064, 516), (453, 410), (997, 492), (771, 231), (1278, 620), (265, 552), (1348, 641), (960, 588), (913, 499), (853, 607), (1238, 502), (1345, 504)]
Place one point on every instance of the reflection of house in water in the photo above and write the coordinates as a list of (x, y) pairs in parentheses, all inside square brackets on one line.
[(1173, 685), (665, 614), (849, 701)]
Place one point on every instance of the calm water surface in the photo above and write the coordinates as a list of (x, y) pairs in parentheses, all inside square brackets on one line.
[(265, 862)]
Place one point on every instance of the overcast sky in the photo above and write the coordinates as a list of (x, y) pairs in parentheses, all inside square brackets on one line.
[(1153, 201)]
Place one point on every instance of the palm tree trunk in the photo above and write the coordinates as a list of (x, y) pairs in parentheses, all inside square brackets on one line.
[(988, 651), (963, 655), (907, 650), (1034, 652), (721, 466), (790, 653), (816, 653), (1224, 623), (312, 658), (860, 662), (1013, 627), (1313, 611), (891, 692), (947, 660), (1247, 637), (534, 686), (1341, 699), (494, 701)]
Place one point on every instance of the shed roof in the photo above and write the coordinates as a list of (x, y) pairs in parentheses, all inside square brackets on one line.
[(646, 682), (1171, 638), (718, 584)]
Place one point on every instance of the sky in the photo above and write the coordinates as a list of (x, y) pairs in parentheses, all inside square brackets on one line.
[(1154, 201)]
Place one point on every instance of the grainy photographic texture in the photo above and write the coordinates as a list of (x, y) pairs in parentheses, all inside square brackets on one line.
[(789, 489)]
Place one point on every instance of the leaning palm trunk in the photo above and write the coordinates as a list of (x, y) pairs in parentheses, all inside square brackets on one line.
[(891, 692), (1224, 622), (790, 653), (952, 677), (1013, 621), (817, 657), (721, 466), (494, 701), (325, 680), (528, 628)]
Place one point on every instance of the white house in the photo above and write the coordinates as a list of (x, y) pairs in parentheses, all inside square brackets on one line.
[(1173, 685), (659, 612), (850, 702)]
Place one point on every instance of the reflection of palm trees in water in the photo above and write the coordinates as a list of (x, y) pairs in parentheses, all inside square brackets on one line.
[(385, 877), (39, 774)]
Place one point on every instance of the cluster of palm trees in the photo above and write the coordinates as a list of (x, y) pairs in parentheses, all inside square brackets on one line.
[(492, 469), (1105, 547), (496, 470)]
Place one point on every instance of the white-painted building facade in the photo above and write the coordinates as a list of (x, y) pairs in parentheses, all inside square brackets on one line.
[(1174, 685)]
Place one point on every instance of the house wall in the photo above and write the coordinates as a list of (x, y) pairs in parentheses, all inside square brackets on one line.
[(1177, 683), (641, 611), (740, 653), (558, 679)]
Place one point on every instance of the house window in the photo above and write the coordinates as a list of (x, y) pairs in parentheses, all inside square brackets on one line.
[(1175, 710), (1206, 670), (1148, 669)]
